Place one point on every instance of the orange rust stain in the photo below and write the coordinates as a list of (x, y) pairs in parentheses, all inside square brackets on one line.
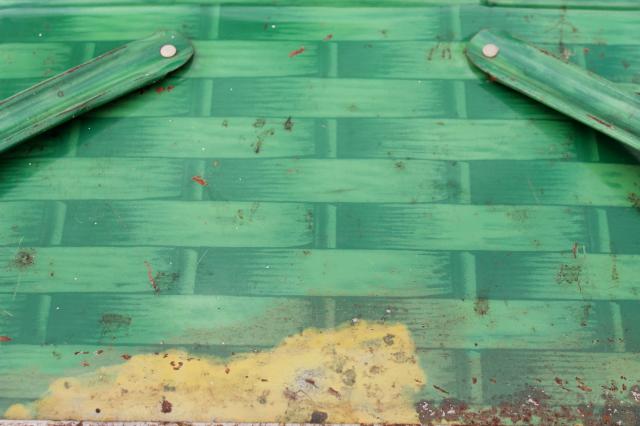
[(199, 180), (296, 52)]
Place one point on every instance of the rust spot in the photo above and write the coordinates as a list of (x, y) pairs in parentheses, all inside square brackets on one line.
[(574, 250), (24, 259), (327, 37), (481, 306), (126, 357), (165, 406), (159, 89), (5, 339), (199, 180), (296, 52), (170, 88), (84, 364), (311, 382), (598, 120)]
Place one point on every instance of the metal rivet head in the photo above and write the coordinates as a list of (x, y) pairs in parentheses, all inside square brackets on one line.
[(490, 50), (168, 50)]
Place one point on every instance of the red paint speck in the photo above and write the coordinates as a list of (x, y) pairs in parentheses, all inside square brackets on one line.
[(574, 250), (126, 357), (474, 380), (328, 37), (199, 180), (150, 277), (296, 52), (84, 364), (159, 89), (5, 339)]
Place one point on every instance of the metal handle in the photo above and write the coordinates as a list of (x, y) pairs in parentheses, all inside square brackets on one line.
[(91, 84), (563, 86)]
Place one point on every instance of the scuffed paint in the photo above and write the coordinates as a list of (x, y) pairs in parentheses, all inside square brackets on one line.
[(362, 372)]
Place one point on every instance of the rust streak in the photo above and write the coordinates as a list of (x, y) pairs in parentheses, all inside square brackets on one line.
[(152, 281), (598, 120)]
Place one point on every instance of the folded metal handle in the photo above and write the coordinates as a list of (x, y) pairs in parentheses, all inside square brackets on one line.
[(565, 87), (91, 84)]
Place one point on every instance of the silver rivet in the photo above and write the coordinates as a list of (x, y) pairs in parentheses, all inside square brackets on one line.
[(168, 50), (490, 50)]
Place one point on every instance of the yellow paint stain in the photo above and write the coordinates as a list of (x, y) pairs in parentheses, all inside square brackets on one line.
[(366, 372)]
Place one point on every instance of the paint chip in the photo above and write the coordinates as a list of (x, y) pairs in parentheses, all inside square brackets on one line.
[(275, 383)]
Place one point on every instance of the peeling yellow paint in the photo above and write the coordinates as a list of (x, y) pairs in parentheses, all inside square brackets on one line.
[(366, 372)]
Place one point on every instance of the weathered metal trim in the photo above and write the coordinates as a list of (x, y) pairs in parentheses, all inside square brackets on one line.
[(563, 86), (89, 85)]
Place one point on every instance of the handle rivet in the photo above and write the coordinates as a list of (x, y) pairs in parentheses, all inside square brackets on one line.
[(168, 50), (490, 50)]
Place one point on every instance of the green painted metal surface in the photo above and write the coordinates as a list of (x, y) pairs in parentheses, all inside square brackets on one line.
[(374, 176)]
